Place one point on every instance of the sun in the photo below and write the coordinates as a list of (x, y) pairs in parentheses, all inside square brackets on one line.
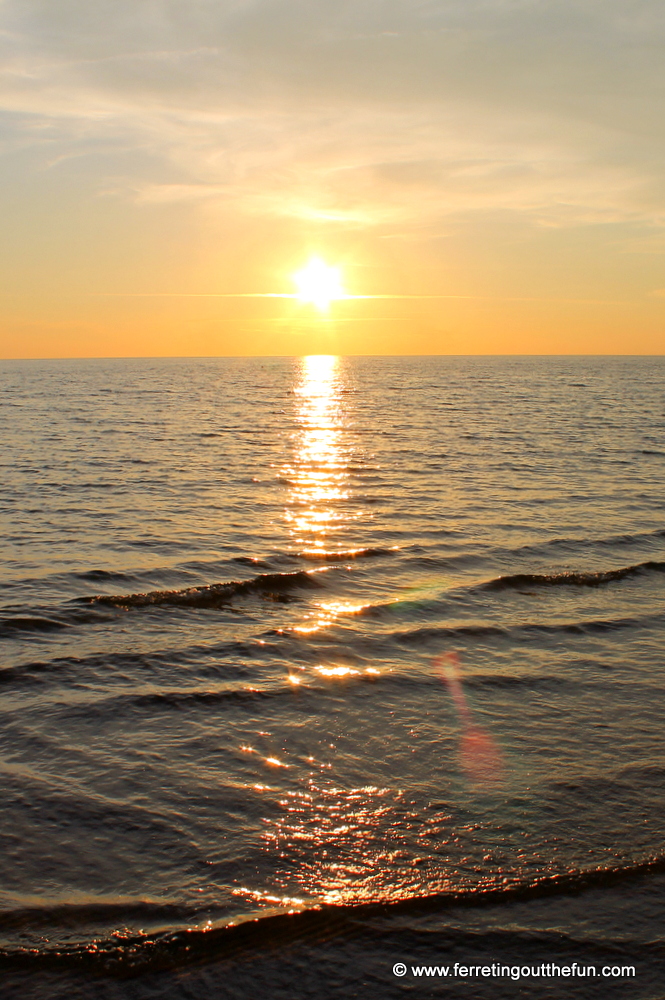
[(319, 284)]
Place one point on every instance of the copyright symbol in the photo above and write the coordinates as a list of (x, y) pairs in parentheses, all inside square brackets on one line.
[(399, 969)]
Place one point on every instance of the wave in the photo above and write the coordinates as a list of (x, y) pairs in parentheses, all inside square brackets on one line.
[(271, 585), (545, 546), (92, 575), (172, 700), (520, 580), (135, 952), (227, 653), (83, 914), (344, 554), (421, 636), (14, 621), (30, 623)]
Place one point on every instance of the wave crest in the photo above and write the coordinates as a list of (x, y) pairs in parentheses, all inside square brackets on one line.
[(141, 952), (519, 580), (271, 585)]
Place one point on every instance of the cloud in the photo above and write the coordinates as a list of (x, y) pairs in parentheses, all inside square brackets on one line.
[(364, 113)]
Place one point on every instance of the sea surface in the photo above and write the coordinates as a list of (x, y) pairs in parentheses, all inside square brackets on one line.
[(315, 666)]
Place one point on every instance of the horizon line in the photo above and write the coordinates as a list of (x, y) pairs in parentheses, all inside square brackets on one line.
[(346, 298), (211, 357)]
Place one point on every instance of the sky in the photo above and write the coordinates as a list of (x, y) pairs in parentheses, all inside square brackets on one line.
[(493, 171)]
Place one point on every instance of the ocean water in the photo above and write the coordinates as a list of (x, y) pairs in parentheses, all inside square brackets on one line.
[(314, 666)]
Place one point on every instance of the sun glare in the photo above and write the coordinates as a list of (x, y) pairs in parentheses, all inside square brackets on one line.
[(319, 284)]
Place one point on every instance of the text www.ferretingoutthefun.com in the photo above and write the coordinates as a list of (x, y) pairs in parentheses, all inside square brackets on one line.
[(497, 970)]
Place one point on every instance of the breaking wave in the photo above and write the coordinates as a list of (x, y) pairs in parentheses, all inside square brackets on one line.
[(275, 585), (519, 580), (137, 952)]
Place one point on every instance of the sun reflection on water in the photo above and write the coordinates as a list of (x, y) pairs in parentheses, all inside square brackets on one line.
[(364, 841), (318, 506), (318, 473)]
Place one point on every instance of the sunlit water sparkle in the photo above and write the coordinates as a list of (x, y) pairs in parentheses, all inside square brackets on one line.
[(285, 634)]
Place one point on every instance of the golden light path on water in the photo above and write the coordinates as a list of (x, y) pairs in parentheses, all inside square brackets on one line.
[(333, 840), (336, 840), (318, 474), (318, 505)]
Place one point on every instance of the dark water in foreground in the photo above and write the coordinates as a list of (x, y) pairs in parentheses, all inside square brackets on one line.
[(314, 666)]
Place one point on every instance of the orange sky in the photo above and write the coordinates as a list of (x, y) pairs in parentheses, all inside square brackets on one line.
[(500, 158)]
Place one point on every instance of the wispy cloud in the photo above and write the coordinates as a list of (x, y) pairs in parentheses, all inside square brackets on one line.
[(355, 114)]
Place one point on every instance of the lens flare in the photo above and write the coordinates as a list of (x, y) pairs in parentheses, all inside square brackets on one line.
[(479, 756)]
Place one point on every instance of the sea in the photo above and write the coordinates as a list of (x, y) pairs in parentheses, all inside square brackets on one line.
[(332, 677)]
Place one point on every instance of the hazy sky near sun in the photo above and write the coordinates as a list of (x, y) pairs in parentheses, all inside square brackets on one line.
[(508, 154)]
